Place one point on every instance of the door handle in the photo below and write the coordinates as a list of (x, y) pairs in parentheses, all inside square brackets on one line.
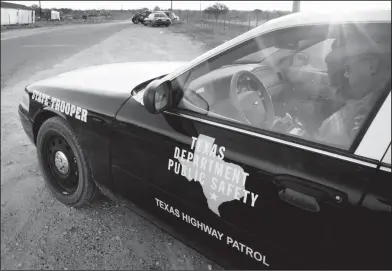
[(306, 194)]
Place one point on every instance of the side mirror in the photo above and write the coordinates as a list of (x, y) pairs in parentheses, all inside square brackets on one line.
[(300, 59), (157, 96)]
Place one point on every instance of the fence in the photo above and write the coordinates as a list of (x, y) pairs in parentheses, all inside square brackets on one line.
[(250, 19), (212, 32)]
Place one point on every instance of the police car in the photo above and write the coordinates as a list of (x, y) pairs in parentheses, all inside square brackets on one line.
[(271, 151)]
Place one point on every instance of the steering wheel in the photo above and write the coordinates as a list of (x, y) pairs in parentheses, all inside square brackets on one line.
[(256, 105)]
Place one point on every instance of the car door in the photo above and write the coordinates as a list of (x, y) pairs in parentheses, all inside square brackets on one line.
[(274, 200), (295, 204), (291, 196)]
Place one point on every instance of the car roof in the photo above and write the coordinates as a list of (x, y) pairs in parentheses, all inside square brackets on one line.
[(312, 18), (292, 20), (336, 16)]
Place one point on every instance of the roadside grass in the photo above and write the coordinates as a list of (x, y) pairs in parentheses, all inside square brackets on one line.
[(210, 34), (39, 24)]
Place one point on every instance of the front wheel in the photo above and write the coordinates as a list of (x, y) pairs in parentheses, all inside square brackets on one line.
[(63, 164)]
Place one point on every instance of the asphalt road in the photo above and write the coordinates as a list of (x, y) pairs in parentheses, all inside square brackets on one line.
[(24, 52), (37, 232)]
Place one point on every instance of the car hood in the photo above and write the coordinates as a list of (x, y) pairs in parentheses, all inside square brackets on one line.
[(102, 88), (110, 78)]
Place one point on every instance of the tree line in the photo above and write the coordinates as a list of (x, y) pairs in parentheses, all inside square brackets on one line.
[(215, 11), (219, 10)]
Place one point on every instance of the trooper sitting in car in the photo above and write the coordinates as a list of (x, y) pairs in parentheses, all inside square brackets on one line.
[(367, 70), (338, 82), (367, 67)]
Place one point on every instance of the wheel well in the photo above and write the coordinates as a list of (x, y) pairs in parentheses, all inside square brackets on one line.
[(39, 120)]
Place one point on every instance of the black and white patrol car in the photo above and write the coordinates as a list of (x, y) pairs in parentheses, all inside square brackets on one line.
[(271, 151)]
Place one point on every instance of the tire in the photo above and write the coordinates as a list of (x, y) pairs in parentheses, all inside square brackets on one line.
[(54, 136)]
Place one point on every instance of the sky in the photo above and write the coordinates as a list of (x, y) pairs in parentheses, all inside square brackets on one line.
[(233, 5)]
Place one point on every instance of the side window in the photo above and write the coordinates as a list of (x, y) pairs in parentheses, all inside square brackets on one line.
[(313, 83)]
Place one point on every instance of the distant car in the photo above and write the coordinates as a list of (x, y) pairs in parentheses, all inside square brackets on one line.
[(140, 16), (157, 19), (171, 15), (246, 153)]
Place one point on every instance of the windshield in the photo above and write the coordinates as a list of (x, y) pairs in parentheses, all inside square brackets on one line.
[(258, 56)]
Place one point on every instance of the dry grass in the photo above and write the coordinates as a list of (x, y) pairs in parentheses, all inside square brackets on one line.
[(210, 34), (38, 24)]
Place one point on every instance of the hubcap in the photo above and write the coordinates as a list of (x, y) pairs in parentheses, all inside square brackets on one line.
[(61, 162)]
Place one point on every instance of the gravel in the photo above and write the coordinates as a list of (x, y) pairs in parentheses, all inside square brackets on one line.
[(37, 231)]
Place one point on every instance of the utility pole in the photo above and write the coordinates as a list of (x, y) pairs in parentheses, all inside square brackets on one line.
[(171, 5), (39, 10), (201, 14), (296, 6)]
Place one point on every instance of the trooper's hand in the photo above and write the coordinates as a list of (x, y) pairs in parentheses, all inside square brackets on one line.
[(284, 124)]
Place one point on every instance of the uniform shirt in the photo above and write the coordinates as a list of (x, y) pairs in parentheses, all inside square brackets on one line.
[(341, 128)]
